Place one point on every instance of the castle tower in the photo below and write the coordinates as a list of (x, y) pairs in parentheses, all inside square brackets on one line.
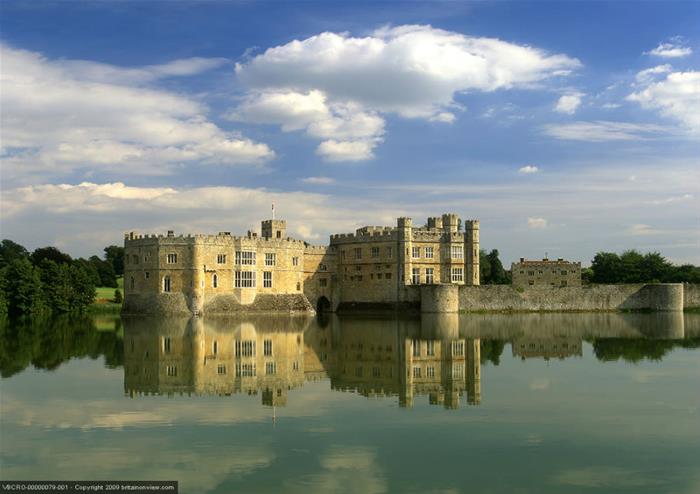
[(450, 223), (435, 222), (405, 228), (274, 228), (471, 252), (198, 275)]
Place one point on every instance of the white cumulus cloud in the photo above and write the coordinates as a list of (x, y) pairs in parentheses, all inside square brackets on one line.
[(335, 86), (528, 169), (568, 103), (672, 49), (59, 116), (536, 223), (677, 96)]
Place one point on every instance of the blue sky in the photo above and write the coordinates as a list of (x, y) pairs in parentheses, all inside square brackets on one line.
[(567, 128)]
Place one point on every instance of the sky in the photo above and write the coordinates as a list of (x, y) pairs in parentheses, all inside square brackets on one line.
[(566, 128)]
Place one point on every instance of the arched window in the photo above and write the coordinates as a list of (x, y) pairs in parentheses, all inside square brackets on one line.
[(132, 283), (214, 281), (215, 347), (166, 283), (298, 286)]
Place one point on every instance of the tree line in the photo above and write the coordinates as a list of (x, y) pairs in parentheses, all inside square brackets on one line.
[(634, 267), (50, 281)]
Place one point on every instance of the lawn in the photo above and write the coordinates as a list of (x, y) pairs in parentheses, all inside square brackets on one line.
[(104, 298)]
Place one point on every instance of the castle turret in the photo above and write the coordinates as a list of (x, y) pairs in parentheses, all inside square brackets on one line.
[(274, 228), (435, 222), (450, 223), (471, 252), (405, 229)]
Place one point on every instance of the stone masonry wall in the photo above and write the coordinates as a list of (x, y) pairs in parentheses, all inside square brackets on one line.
[(586, 298)]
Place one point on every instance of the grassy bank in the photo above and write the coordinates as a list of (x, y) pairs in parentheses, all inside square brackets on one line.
[(104, 298)]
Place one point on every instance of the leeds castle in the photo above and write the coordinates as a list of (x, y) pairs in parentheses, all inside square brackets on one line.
[(375, 267)]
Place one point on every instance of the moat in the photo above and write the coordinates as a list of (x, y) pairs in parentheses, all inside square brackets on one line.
[(598, 402)]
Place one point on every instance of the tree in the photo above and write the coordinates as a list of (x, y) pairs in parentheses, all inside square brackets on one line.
[(606, 268), (9, 251), (484, 267), (51, 253), (631, 269), (498, 274), (105, 271), (118, 298), (115, 256), (24, 288), (656, 268)]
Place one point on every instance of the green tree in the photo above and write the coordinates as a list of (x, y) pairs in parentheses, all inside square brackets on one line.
[(631, 269), (606, 268), (105, 271), (115, 256), (51, 253), (484, 267), (118, 298), (655, 267), (498, 274), (24, 288), (9, 251)]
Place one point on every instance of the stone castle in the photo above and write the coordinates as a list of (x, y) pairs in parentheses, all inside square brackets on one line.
[(376, 267)]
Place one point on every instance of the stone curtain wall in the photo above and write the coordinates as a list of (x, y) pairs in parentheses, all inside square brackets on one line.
[(691, 296), (587, 298)]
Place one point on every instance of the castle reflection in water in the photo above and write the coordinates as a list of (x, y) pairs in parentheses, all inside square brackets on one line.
[(436, 356)]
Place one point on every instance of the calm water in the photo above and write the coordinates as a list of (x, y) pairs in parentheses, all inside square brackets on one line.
[(482, 403)]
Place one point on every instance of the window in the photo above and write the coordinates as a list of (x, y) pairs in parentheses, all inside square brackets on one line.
[(295, 365), (166, 284), (166, 344), (379, 276), (563, 272), (415, 276), (133, 283), (214, 281), (458, 370), (245, 370), (430, 371), (322, 282), (146, 275), (415, 252), (270, 259), (416, 371), (244, 279), (430, 348), (214, 347), (429, 278), (298, 286), (221, 369), (221, 259), (375, 251), (322, 267), (428, 252), (267, 279), (147, 257), (457, 275), (563, 282), (389, 252), (171, 259), (245, 257), (387, 276), (457, 348), (171, 370), (267, 348), (245, 348), (416, 348), (342, 255), (270, 368), (295, 261), (358, 253), (358, 268), (457, 252), (531, 282), (135, 258), (531, 273)]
